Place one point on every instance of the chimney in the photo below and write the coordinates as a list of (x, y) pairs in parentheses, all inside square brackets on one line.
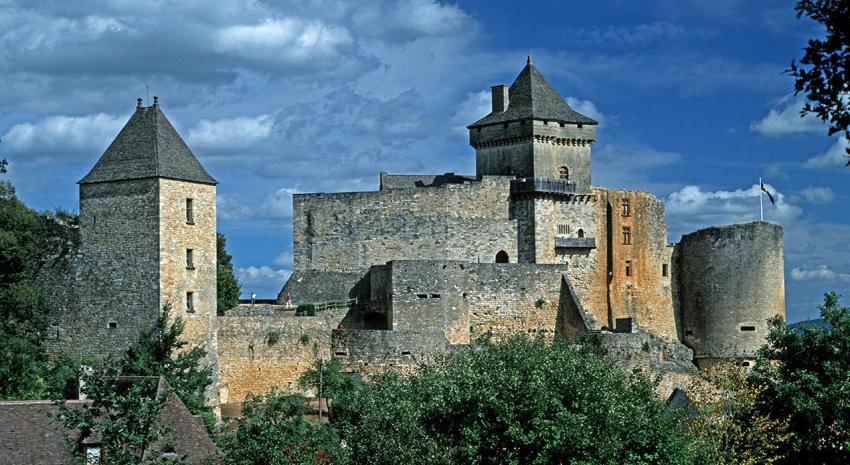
[(500, 98)]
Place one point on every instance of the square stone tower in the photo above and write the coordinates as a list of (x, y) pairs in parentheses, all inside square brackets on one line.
[(148, 238), (532, 132)]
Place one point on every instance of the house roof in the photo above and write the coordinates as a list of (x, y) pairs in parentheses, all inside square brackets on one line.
[(532, 97), (148, 147), (30, 434)]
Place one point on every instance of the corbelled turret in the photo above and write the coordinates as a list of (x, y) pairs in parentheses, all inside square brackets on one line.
[(533, 132)]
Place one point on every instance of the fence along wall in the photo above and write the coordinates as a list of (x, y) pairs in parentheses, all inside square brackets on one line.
[(352, 231)]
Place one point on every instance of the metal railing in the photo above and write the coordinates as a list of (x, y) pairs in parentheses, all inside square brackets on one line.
[(575, 242), (543, 185)]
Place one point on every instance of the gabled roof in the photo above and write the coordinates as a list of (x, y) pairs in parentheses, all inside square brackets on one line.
[(148, 147), (531, 96)]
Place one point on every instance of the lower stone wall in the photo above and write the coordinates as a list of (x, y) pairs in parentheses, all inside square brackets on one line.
[(368, 352), (251, 364)]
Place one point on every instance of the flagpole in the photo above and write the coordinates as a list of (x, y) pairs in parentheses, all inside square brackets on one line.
[(761, 200)]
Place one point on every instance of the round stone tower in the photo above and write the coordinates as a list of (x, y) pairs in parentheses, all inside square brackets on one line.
[(731, 280)]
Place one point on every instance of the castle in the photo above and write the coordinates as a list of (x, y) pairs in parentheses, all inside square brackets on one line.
[(427, 263)]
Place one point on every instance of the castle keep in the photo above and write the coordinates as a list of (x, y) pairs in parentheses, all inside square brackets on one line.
[(427, 263)]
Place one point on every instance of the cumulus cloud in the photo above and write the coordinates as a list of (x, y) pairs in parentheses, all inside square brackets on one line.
[(283, 259), (62, 134), (274, 206), (264, 280), (475, 106), (835, 156), (285, 40), (630, 166), (691, 208), (818, 195), (587, 108), (784, 118), (406, 20), (818, 273), (230, 133)]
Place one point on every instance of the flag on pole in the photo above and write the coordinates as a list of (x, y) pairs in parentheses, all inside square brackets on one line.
[(769, 196)]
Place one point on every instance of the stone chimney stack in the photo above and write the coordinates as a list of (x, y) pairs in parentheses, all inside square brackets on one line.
[(500, 98)]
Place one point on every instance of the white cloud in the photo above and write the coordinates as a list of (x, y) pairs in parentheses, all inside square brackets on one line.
[(275, 206), (284, 39), (63, 134), (818, 273), (629, 166), (784, 118), (475, 106), (587, 108), (691, 208), (284, 259), (230, 133), (264, 280), (835, 156), (406, 20), (818, 195)]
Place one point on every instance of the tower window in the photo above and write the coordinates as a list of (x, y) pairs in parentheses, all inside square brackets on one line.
[(563, 173), (562, 124), (665, 270), (748, 328), (502, 257), (190, 302), (626, 207), (628, 268), (627, 235), (563, 229), (190, 259), (580, 125), (112, 324), (581, 233), (190, 214)]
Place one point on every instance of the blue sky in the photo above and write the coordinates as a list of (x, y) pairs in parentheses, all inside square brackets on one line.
[(321, 95)]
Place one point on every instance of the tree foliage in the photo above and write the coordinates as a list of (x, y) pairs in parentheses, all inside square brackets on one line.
[(823, 73), (273, 431), (25, 372), (160, 351), (227, 291), (803, 377), (517, 402), (123, 416)]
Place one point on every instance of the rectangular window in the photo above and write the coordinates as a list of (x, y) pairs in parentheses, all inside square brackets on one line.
[(748, 328), (628, 268), (626, 207), (190, 259), (563, 229), (190, 302), (190, 214), (664, 270), (627, 235)]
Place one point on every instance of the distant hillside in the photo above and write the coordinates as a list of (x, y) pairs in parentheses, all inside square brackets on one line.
[(817, 322)]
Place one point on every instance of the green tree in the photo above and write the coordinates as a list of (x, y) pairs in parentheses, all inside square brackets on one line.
[(227, 291), (273, 431), (516, 402), (160, 351), (123, 413), (803, 377), (25, 372), (823, 73)]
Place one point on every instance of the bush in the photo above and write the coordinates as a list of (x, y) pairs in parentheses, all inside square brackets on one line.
[(305, 310)]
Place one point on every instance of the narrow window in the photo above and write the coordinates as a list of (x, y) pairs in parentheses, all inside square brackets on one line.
[(421, 296), (748, 328), (190, 259), (190, 214), (563, 229), (580, 125), (435, 296), (562, 124), (627, 207), (627, 235), (545, 122), (190, 302), (581, 233), (628, 267), (563, 173), (664, 270), (689, 332), (502, 257), (113, 324)]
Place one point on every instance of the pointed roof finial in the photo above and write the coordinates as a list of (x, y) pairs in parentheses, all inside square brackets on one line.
[(155, 100), (139, 102), (529, 59)]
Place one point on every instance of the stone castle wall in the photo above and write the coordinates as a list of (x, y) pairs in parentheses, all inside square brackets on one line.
[(250, 364), (731, 279), (352, 231)]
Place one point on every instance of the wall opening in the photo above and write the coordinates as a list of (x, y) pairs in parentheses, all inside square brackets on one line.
[(375, 320), (748, 328), (665, 270), (627, 211), (580, 233), (628, 268), (112, 324), (190, 302), (627, 235), (502, 257), (190, 213), (563, 173), (190, 259), (563, 229)]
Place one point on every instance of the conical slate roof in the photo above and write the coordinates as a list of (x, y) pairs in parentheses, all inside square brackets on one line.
[(531, 96), (148, 147)]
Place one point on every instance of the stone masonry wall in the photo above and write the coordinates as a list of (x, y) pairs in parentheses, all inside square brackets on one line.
[(249, 364), (731, 279), (352, 231)]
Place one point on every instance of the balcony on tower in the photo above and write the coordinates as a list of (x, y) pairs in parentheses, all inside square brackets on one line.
[(541, 185)]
